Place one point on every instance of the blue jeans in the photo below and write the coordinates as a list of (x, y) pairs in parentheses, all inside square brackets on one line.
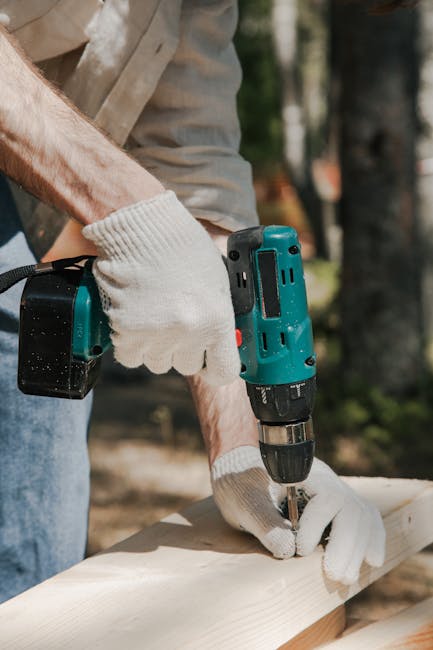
[(44, 467)]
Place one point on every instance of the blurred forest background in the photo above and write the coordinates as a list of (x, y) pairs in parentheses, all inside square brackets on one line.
[(336, 109), (337, 114)]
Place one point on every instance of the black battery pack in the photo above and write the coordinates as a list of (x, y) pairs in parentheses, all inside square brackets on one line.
[(46, 365)]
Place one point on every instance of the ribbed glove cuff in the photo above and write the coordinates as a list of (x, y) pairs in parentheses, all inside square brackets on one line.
[(144, 229)]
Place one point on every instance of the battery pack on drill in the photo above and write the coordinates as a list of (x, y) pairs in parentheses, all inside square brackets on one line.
[(63, 334)]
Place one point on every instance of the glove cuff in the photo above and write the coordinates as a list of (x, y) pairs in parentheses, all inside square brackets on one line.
[(235, 461), (145, 229)]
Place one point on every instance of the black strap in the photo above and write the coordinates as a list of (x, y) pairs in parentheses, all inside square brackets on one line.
[(59, 265), (9, 278)]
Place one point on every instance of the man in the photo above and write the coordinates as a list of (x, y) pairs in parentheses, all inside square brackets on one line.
[(161, 76)]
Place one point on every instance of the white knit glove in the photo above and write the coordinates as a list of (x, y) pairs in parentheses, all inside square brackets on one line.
[(165, 290), (248, 499)]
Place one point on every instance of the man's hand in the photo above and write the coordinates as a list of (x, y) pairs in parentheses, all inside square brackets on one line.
[(357, 532), (248, 499), (168, 291)]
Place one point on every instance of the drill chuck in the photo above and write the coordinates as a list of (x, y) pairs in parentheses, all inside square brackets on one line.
[(287, 450)]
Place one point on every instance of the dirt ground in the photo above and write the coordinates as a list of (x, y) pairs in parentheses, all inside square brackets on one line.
[(148, 461), (146, 453)]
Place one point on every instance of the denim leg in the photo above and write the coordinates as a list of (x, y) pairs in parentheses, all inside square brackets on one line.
[(44, 467)]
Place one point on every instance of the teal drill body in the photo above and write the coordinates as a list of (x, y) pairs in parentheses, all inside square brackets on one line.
[(277, 349)]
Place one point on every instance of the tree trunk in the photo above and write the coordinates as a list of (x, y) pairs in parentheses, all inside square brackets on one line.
[(425, 169), (296, 130), (377, 65)]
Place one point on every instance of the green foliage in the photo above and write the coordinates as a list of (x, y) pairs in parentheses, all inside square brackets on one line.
[(322, 285), (259, 97), (388, 435), (396, 437)]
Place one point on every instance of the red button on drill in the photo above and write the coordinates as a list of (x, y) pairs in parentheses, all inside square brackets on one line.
[(238, 338)]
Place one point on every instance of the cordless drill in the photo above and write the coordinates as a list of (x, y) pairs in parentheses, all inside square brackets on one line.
[(64, 333), (275, 342)]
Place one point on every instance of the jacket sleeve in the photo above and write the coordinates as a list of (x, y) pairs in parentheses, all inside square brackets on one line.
[(188, 135)]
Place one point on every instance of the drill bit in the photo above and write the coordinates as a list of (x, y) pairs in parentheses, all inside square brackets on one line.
[(292, 506)]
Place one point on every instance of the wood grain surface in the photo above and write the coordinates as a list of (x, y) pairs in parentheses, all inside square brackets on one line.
[(190, 581), (411, 629), (325, 629)]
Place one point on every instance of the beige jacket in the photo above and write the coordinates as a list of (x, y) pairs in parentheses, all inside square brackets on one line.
[(161, 77)]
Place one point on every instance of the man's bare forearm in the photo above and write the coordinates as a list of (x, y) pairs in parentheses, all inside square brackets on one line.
[(55, 153), (226, 418)]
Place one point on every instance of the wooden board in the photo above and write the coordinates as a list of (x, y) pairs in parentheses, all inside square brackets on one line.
[(326, 629), (411, 629), (190, 581)]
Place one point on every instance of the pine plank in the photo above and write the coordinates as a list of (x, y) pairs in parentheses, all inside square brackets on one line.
[(411, 629), (190, 581), (324, 630)]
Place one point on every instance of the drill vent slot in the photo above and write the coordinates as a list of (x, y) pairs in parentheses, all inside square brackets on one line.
[(265, 342), (269, 284), (283, 338), (283, 276), (292, 276)]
